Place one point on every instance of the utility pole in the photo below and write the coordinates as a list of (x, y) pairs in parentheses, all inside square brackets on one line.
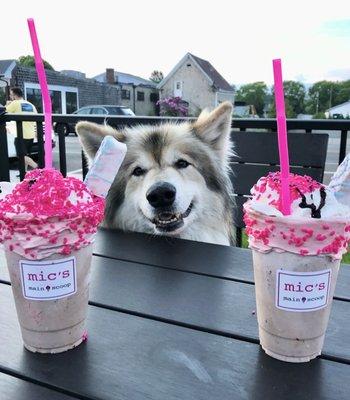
[(330, 96)]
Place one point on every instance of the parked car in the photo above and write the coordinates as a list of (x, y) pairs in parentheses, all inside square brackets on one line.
[(338, 116), (94, 110), (11, 134)]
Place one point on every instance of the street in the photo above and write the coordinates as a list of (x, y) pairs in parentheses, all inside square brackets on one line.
[(73, 151)]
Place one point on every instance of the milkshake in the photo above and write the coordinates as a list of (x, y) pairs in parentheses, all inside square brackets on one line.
[(47, 227), (296, 261)]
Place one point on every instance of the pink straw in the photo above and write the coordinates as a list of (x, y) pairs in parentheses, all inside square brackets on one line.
[(282, 137), (39, 65)]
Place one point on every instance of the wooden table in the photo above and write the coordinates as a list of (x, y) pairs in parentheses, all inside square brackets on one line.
[(171, 319)]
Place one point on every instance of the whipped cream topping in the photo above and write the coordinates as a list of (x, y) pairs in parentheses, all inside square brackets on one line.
[(47, 214), (318, 224)]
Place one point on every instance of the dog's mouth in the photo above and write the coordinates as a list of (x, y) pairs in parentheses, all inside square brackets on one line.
[(168, 221)]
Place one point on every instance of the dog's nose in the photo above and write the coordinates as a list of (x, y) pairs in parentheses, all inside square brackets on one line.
[(161, 194)]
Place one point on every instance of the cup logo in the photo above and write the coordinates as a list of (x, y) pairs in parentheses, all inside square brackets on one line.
[(48, 280), (302, 291)]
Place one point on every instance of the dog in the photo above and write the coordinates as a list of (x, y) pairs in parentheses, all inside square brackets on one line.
[(174, 179)]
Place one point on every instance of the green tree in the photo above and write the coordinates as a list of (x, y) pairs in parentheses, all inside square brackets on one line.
[(294, 95), (290, 113), (156, 76), (28, 61), (253, 93), (321, 96), (343, 93)]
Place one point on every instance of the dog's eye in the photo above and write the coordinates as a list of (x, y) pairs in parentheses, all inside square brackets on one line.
[(181, 164), (138, 171)]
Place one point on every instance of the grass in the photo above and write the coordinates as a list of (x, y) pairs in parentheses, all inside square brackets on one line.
[(346, 257)]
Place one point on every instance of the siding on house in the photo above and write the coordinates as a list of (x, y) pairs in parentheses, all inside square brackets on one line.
[(196, 89)]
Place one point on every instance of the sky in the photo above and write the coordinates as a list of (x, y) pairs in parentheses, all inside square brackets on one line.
[(240, 38)]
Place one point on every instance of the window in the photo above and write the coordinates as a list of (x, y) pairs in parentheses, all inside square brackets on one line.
[(56, 101), (140, 96), (34, 97), (153, 97), (2, 96), (125, 94), (71, 102), (178, 85), (98, 111), (119, 111), (84, 111)]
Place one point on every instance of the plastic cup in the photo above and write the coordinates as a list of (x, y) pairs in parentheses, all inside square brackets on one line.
[(51, 297), (294, 297)]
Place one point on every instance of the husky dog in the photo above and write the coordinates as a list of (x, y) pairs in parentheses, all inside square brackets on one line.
[(174, 179)]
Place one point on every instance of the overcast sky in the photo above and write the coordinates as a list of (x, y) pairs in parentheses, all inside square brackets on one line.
[(240, 38)]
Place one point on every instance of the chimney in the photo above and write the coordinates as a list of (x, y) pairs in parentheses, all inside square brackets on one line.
[(110, 76)]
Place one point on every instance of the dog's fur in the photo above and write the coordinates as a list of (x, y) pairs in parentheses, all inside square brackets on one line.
[(204, 144)]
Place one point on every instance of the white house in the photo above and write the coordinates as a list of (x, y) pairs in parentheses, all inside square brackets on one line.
[(343, 109), (198, 83)]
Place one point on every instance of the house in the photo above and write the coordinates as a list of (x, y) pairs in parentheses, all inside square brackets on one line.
[(341, 109), (198, 83), (71, 90), (140, 94)]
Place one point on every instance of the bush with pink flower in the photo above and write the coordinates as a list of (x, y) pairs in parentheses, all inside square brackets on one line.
[(173, 107)]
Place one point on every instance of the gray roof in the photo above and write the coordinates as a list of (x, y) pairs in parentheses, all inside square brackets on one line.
[(219, 81), (122, 77), (4, 64)]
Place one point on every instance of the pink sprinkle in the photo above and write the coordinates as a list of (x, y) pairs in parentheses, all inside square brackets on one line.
[(303, 252), (321, 237)]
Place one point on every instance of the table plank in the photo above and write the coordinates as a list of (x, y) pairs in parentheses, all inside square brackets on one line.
[(16, 389), (127, 357), (215, 305), (185, 255)]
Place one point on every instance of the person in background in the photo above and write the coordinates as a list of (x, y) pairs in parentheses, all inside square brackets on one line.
[(18, 105)]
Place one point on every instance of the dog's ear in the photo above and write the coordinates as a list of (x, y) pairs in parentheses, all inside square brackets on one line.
[(91, 136), (214, 128)]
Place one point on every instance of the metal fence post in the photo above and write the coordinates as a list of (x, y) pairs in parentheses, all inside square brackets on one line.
[(342, 150), (62, 149), (4, 155)]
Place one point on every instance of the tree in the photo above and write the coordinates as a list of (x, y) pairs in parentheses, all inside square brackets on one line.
[(253, 94), (342, 94), (28, 61), (321, 96), (156, 76), (290, 113), (294, 94)]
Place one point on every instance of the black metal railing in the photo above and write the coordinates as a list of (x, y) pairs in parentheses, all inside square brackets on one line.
[(342, 127)]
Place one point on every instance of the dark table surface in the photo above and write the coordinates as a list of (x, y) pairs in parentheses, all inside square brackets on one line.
[(171, 319)]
